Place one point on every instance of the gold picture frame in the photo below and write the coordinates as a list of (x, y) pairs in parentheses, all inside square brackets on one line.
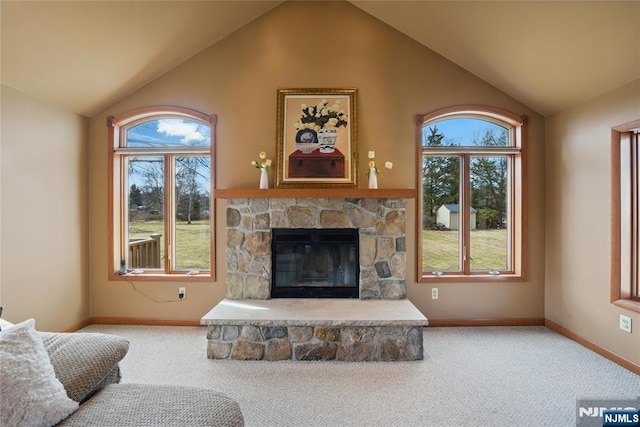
[(316, 138)]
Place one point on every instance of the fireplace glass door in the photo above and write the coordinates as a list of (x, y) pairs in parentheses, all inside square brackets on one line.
[(315, 263)]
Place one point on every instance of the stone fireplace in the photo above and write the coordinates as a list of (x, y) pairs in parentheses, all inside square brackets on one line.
[(379, 325), (380, 224)]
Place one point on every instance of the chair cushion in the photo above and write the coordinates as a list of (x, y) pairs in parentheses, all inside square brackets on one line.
[(156, 405), (30, 393), (82, 361)]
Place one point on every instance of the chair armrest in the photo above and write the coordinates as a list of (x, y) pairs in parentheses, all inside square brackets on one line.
[(85, 362)]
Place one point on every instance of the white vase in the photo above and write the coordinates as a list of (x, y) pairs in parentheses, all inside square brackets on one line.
[(327, 140), (264, 178), (373, 178)]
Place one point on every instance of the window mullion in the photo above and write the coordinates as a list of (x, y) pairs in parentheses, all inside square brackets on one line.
[(635, 216), (169, 228), (123, 202), (465, 195), (511, 213), (626, 215)]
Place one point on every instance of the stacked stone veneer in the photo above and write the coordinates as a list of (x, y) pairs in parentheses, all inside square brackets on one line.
[(381, 225), (347, 343)]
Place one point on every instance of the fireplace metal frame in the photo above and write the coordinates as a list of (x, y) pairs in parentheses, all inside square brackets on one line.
[(317, 237)]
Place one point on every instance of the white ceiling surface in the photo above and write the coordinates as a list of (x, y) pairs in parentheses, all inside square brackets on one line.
[(549, 55)]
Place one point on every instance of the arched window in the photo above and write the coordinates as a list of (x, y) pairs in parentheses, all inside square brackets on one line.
[(160, 197), (471, 204)]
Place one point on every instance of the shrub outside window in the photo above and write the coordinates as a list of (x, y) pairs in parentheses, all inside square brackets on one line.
[(161, 175), (471, 203)]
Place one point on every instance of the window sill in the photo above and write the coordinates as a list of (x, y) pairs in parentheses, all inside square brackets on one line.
[(476, 278), (148, 277), (628, 304)]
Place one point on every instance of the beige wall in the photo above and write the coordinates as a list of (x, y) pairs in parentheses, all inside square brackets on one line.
[(579, 217), (48, 259), (306, 44), (44, 217)]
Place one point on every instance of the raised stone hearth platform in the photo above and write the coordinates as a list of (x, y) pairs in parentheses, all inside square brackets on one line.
[(315, 329)]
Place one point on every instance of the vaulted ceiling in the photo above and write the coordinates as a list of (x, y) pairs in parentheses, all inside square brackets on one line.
[(84, 55)]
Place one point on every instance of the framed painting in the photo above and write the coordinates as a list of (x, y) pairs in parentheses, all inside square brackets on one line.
[(316, 138)]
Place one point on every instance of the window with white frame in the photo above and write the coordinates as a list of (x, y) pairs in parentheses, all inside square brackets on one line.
[(471, 203), (161, 172)]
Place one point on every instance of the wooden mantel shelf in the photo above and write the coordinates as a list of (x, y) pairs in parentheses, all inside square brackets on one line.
[(315, 193)]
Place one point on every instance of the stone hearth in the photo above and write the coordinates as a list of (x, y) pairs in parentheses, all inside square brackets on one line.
[(315, 329)]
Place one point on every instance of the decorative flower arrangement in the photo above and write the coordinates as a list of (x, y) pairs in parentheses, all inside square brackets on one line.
[(322, 116), (374, 166), (265, 164)]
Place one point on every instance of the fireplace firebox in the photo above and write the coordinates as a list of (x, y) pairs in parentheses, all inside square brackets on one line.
[(315, 263)]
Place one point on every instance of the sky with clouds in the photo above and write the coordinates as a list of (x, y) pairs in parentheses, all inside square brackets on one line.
[(462, 131), (169, 132)]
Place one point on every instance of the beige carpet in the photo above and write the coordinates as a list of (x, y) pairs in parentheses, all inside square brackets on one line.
[(474, 376)]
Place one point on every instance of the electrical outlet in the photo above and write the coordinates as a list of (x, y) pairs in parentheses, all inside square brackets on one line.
[(182, 293), (434, 293), (625, 323)]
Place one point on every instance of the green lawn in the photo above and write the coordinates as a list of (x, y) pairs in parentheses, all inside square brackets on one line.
[(193, 243), (440, 250)]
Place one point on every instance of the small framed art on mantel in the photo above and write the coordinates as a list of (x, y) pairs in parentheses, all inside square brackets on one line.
[(316, 138)]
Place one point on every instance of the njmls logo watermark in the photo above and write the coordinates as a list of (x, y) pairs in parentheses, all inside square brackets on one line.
[(608, 413)]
